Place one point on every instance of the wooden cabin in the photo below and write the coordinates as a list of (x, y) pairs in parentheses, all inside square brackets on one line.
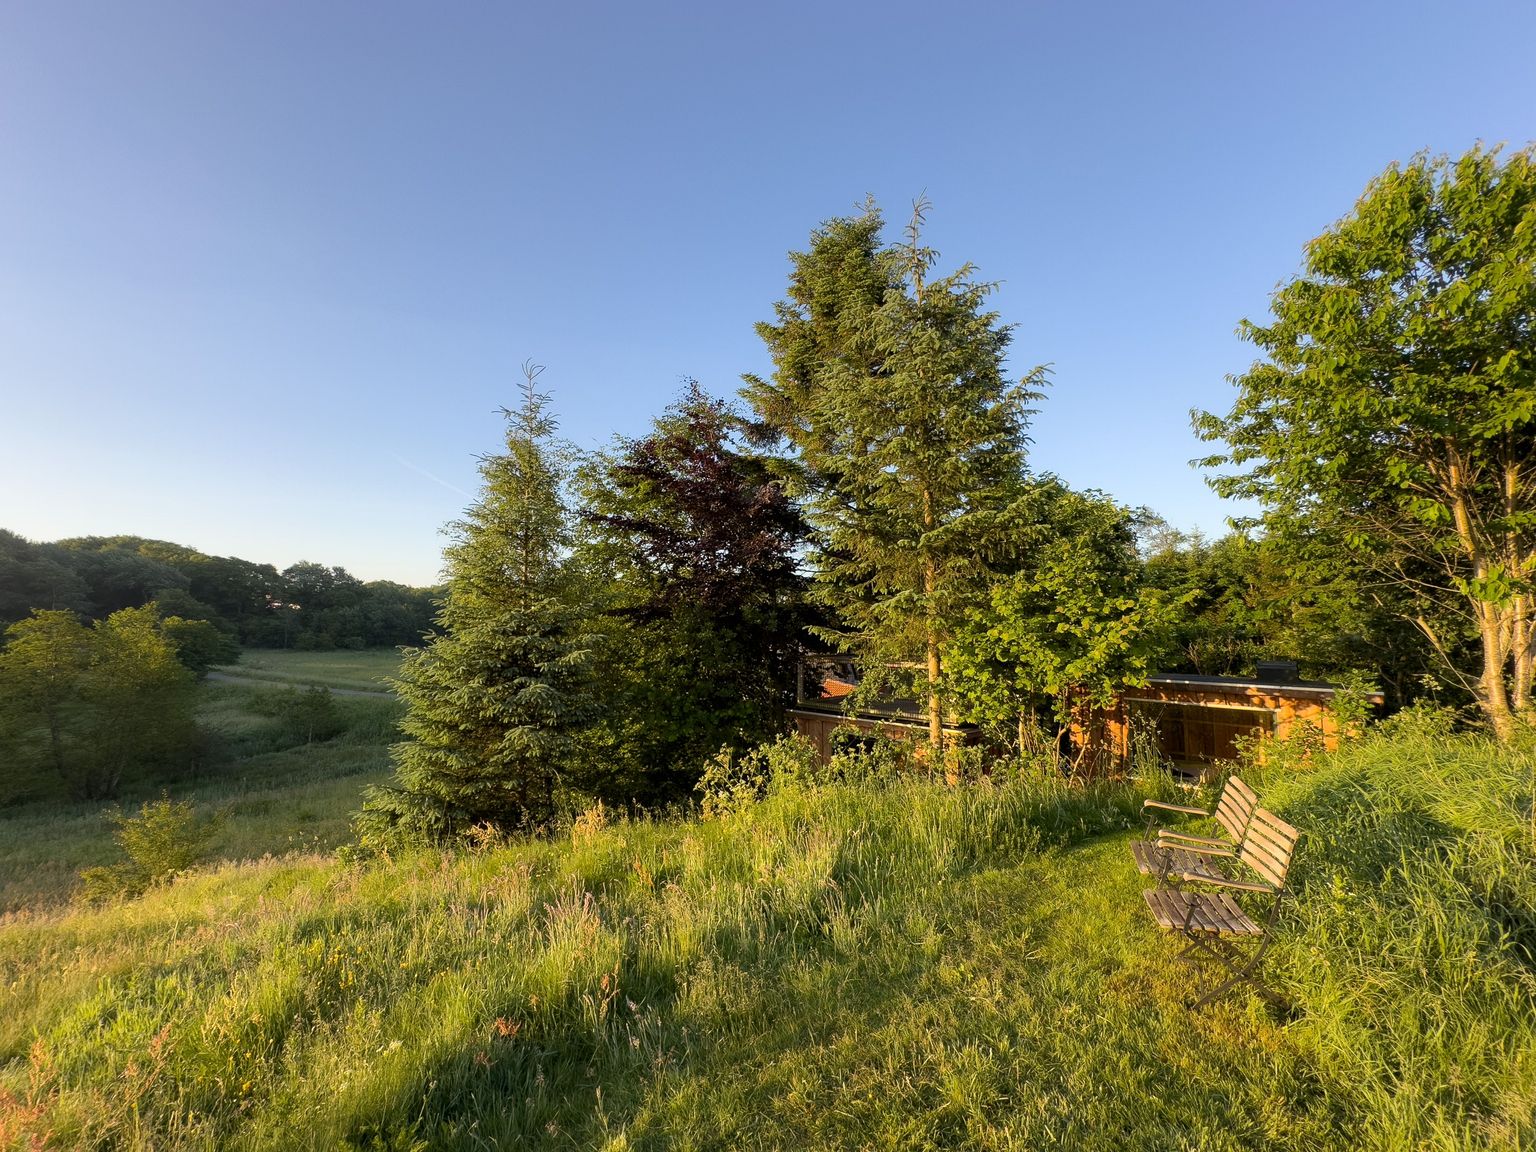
[(821, 698), (1197, 721)]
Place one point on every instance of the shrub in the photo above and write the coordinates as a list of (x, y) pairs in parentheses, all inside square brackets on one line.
[(199, 644), (1420, 720), (861, 756), (164, 839), (732, 781), (308, 717), (967, 764), (312, 715)]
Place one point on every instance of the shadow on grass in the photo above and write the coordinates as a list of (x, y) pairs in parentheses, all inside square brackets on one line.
[(1025, 1007)]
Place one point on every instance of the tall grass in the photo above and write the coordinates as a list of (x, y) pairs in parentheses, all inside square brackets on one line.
[(898, 964), (517, 994), (1412, 954)]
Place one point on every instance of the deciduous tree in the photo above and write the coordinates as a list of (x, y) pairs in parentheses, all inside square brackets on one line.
[(103, 701), (1395, 410), (1072, 624)]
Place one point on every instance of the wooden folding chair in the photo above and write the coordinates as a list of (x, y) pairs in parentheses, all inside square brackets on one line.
[(1213, 922), (1166, 850)]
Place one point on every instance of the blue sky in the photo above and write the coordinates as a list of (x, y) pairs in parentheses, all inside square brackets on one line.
[(268, 270)]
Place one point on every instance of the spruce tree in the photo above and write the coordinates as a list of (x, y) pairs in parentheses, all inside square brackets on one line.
[(892, 390), (497, 697)]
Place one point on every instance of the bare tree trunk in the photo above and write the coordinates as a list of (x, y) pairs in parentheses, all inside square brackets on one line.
[(1493, 623), (1520, 564), (935, 668), (1493, 693), (1521, 639)]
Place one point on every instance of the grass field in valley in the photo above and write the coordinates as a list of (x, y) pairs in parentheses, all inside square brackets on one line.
[(901, 966), (279, 793), (367, 670)]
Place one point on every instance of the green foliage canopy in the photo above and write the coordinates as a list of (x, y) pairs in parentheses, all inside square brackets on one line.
[(891, 388), (689, 545), (96, 703), (1396, 408), (1072, 624)]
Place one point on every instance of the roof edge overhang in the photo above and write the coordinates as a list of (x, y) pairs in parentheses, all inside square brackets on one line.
[(1233, 684)]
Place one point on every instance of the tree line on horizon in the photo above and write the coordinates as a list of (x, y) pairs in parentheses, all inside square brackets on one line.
[(611, 623), (307, 606)]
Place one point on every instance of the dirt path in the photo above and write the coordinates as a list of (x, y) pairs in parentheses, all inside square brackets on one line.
[(226, 678)]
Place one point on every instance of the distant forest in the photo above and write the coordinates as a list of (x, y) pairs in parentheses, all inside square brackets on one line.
[(305, 606)]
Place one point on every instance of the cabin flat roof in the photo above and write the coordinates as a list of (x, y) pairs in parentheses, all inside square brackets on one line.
[(1294, 687)]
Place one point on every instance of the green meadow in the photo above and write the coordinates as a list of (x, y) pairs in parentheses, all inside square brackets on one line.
[(903, 965), (366, 670), (278, 792)]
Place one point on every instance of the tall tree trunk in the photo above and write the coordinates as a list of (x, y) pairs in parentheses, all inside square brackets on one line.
[(1493, 623), (1522, 636), (935, 666), (1493, 694)]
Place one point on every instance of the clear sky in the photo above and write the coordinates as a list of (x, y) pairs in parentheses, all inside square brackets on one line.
[(267, 270)]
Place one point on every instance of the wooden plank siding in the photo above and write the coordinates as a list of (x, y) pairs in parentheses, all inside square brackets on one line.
[(1201, 719)]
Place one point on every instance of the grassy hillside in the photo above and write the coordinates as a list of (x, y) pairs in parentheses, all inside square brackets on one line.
[(908, 966)]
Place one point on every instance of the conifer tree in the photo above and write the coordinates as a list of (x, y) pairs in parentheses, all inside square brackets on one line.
[(496, 698), (891, 388)]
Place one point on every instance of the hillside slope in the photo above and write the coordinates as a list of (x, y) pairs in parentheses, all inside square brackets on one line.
[(903, 967)]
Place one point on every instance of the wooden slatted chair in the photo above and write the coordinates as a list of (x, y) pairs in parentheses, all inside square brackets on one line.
[(1213, 921), (1167, 850)]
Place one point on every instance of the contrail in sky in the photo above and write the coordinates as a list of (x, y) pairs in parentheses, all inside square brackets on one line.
[(435, 479)]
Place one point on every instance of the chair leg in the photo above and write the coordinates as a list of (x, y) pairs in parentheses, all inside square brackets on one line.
[(1222, 988), (1242, 972)]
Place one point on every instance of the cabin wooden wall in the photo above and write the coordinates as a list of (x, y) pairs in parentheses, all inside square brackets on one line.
[(1290, 711)]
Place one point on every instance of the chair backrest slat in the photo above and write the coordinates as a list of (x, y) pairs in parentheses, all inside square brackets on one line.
[(1235, 808), (1268, 846), (1265, 865), (1262, 833), (1262, 837)]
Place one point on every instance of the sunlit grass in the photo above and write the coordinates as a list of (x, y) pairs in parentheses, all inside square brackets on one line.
[(366, 670), (898, 966)]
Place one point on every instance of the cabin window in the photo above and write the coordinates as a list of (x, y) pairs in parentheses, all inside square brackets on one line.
[(1198, 733)]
